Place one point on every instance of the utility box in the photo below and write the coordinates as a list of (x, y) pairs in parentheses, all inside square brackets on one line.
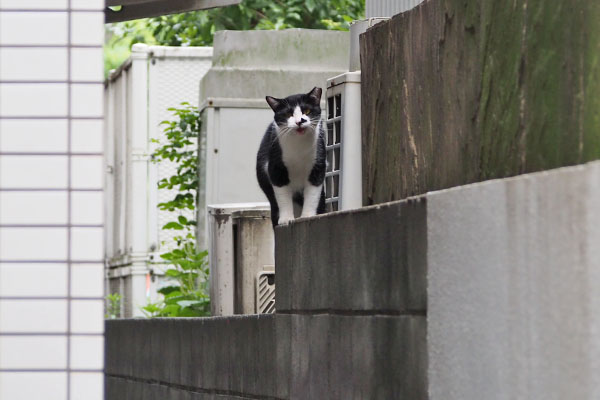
[(246, 67), (241, 255), (137, 96), (343, 176), (254, 259)]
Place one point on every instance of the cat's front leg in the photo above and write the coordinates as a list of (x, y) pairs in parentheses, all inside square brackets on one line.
[(312, 195), (284, 197)]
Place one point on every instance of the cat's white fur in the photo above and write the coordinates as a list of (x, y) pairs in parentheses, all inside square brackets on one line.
[(298, 154)]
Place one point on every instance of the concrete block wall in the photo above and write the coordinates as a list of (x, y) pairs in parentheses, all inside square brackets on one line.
[(486, 291), (268, 357), (513, 278), (370, 260)]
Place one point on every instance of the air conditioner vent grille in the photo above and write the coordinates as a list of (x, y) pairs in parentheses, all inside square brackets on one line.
[(265, 292), (333, 147)]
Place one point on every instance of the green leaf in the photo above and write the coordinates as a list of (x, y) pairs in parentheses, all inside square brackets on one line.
[(188, 303), (173, 273), (168, 290), (173, 225)]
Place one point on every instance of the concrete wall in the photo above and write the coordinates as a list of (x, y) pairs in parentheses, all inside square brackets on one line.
[(456, 92), (267, 357), (321, 262), (514, 272), (487, 291)]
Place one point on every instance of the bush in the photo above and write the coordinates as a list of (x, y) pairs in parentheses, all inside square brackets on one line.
[(186, 293)]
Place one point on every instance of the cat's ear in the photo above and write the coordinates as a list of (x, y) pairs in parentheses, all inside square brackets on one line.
[(315, 95), (273, 102)]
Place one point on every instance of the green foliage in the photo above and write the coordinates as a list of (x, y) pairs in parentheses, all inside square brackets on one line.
[(186, 293), (180, 147), (113, 306), (197, 28), (119, 39)]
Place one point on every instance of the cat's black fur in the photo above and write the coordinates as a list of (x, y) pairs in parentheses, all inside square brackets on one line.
[(270, 166)]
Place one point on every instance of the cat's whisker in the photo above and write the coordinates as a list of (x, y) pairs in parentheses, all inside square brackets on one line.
[(283, 131)]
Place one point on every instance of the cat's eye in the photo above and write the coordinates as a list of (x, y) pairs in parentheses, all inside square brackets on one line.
[(306, 112)]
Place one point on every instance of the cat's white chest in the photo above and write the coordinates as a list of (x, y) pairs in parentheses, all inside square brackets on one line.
[(298, 155)]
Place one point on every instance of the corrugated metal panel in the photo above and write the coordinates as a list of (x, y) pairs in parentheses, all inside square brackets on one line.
[(388, 8)]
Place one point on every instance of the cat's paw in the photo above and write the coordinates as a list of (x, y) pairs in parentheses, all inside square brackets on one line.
[(285, 220)]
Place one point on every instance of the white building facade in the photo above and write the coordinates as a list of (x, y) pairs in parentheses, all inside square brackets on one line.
[(51, 199)]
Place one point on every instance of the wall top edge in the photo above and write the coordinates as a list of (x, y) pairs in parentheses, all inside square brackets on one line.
[(218, 102), (581, 168), (532, 176), (175, 51), (195, 320), (230, 208), (141, 51), (347, 77)]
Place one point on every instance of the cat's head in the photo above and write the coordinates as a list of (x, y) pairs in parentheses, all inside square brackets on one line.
[(298, 113)]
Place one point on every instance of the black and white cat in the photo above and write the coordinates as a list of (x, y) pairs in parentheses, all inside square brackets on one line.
[(290, 165)]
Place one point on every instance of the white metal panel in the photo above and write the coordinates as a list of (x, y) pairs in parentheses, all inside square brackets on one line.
[(109, 165), (118, 126), (154, 79), (343, 182), (137, 133), (351, 188), (232, 143), (388, 8), (222, 253), (356, 29), (174, 76)]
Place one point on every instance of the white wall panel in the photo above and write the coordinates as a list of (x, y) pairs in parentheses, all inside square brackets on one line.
[(388, 8), (51, 223)]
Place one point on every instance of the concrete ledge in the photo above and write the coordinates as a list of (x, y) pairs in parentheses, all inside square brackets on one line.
[(267, 357), (370, 259), (233, 355), (514, 278)]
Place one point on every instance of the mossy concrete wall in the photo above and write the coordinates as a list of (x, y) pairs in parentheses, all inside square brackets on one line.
[(459, 91)]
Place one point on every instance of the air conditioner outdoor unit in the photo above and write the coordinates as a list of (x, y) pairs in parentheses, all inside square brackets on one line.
[(241, 251), (343, 177)]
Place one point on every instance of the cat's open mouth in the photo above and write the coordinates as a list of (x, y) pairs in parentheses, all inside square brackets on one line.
[(300, 131)]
